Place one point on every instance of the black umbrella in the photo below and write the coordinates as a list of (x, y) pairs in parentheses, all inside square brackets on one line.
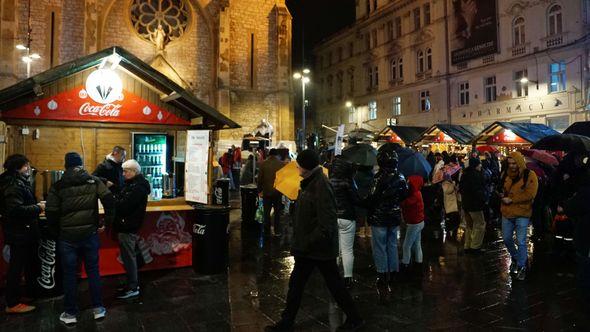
[(564, 142), (361, 154)]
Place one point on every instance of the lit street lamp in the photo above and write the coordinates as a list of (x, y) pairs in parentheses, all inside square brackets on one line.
[(525, 80), (304, 78)]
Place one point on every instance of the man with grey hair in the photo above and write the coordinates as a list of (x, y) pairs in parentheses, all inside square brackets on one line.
[(130, 205)]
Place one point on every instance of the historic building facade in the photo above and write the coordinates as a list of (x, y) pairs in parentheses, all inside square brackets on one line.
[(444, 61), (234, 55)]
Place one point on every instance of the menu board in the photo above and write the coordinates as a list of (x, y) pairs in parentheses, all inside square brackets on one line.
[(196, 186)]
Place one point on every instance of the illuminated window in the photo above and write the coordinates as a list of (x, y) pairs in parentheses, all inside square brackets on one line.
[(557, 76), (372, 110), (425, 101), (397, 106)]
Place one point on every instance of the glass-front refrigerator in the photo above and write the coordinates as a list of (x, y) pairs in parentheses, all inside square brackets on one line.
[(153, 152)]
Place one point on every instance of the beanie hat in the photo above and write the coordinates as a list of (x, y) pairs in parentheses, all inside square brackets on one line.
[(308, 159), (73, 159), (474, 162)]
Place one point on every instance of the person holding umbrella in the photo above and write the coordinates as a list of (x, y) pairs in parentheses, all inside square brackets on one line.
[(472, 189), (389, 189)]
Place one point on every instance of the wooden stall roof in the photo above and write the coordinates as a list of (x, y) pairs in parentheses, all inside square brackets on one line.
[(31, 88), (529, 132), (462, 134), (408, 134), (579, 128)]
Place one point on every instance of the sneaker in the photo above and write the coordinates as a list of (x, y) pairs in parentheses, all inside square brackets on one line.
[(350, 325), (123, 289), (20, 308), (280, 326), (67, 318), (129, 294), (513, 268), (521, 274), (99, 313)]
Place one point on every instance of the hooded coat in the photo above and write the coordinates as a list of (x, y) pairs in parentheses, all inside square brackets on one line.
[(413, 206), (522, 194), (345, 190), (388, 191), (131, 204), (19, 210), (110, 170)]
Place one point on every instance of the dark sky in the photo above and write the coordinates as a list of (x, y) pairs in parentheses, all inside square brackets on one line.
[(318, 19)]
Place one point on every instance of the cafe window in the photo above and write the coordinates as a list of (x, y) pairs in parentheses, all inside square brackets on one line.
[(426, 14), (417, 18), (555, 24), (559, 123), (372, 110), (490, 89), (557, 76), (522, 88), (425, 101), (397, 106), (464, 93), (518, 30)]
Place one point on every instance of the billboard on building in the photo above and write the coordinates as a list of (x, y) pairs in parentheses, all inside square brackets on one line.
[(474, 29)]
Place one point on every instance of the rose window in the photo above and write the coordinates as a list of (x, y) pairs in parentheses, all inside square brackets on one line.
[(172, 15)]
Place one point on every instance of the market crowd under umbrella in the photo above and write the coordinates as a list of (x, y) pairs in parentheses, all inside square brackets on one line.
[(361, 154)]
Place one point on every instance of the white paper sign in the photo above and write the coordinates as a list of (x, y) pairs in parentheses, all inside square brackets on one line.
[(339, 140), (196, 186)]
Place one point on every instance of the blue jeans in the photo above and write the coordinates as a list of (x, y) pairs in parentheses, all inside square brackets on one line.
[(518, 252), (384, 243), (413, 243), (87, 249)]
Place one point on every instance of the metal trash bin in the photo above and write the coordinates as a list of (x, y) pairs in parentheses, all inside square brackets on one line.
[(221, 192), (249, 205), (211, 239)]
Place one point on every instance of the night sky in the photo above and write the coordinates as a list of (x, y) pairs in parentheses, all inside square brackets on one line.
[(318, 19)]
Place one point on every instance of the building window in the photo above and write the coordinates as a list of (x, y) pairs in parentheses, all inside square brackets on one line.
[(425, 101), (370, 78), (376, 77), (351, 81), (350, 50), (340, 54), (390, 31), (393, 70), (522, 89), (428, 59), (397, 106), (330, 92), (340, 77), (351, 115), (417, 18), (426, 14), (557, 75), (464, 93), (398, 27), (367, 41), (555, 20), (374, 33), (518, 28), (559, 123), (490, 88), (372, 110), (400, 68), (420, 61), (329, 59)]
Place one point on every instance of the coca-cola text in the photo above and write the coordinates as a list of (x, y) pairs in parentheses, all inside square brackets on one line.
[(106, 110)]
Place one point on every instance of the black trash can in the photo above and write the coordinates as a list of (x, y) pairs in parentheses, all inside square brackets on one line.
[(211, 239), (221, 192), (249, 206), (49, 280)]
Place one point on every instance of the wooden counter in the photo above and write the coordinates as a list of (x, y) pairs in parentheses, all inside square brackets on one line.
[(163, 205)]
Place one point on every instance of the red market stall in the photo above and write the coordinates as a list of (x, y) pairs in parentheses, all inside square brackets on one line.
[(403, 135), (113, 98), (509, 136), (450, 138)]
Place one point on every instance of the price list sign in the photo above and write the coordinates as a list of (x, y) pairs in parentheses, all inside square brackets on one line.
[(196, 162)]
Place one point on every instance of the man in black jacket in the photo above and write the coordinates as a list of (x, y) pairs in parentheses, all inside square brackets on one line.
[(473, 195), (315, 245), (130, 206), (20, 212), (110, 171), (72, 204)]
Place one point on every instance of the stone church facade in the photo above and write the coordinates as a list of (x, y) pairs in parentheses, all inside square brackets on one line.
[(234, 55)]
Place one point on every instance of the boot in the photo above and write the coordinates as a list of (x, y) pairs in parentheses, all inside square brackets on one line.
[(382, 287)]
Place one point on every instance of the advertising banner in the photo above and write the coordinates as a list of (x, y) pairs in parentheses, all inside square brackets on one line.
[(474, 29)]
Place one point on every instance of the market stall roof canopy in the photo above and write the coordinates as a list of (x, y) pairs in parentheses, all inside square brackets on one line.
[(509, 133), (579, 128), (445, 133), (401, 134), (171, 93)]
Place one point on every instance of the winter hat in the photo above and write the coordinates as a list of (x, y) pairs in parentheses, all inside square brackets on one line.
[(308, 159), (73, 159), (474, 162), (519, 159)]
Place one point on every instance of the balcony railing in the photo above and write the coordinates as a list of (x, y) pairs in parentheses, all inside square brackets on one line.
[(519, 50)]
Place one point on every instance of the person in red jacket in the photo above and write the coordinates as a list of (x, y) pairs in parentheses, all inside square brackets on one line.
[(413, 211)]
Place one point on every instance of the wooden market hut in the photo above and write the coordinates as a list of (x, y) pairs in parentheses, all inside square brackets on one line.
[(513, 134), (446, 137), (404, 135)]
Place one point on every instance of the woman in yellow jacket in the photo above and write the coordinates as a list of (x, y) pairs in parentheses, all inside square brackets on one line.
[(519, 191)]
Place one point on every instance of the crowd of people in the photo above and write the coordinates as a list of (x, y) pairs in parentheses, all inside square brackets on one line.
[(72, 215)]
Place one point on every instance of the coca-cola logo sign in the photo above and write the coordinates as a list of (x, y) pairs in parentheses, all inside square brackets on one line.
[(47, 253), (112, 110)]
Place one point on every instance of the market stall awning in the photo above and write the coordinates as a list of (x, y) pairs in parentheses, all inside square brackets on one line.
[(513, 133), (185, 105), (579, 128), (451, 134), (400, 134)]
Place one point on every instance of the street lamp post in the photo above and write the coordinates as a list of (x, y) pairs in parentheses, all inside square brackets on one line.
[(304, 78)]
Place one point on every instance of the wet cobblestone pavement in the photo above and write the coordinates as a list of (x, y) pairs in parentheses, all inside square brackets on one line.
[(456, 293)]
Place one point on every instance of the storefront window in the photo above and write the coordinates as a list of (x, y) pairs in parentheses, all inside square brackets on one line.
[(559, 123)]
